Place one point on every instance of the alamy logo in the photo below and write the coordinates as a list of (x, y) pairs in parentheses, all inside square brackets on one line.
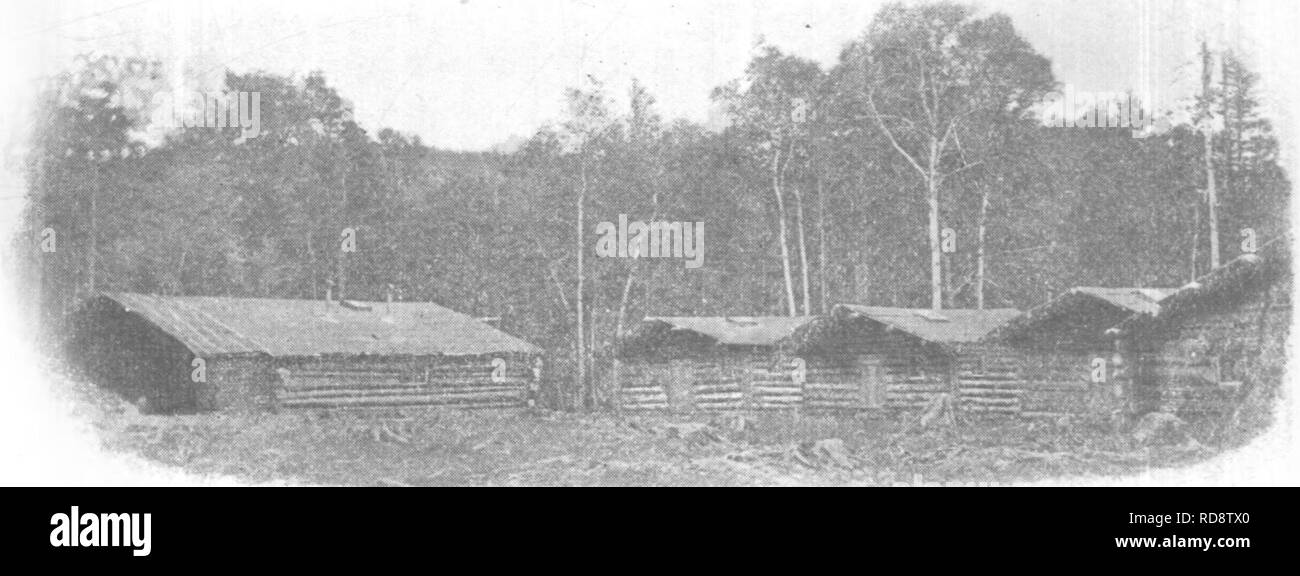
[(93, 530), (1076, 109), (219, 110), (652, 239)]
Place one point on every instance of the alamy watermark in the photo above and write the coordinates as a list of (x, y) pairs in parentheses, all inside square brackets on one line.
[(653, 239), (1078, 109), (210, 110), (85, 529)]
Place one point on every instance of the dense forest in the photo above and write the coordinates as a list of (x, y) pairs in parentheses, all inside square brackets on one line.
[(827, 185)]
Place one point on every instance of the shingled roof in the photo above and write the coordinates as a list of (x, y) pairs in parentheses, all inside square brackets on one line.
[(212, 326), (946, 327), (737, 330)]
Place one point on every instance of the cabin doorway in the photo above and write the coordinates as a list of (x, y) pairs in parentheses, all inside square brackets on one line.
[(871, 382)]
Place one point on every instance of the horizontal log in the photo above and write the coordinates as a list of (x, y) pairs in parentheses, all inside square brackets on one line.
[(990, 393), (640, 399), (776, 389), (1065, 387), (990, 401), (1043, 414), (704, 390), (914, 396), (296, 383), (405, 373), (397, 392), (987, 377), (449, 397), (645, 399), (398, 401), (646, 390), (736, 397)]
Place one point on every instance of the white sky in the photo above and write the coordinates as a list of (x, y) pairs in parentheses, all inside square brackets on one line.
[(471, 73)]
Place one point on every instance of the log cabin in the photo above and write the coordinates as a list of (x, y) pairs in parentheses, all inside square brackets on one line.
[(710, 363), (1066, 362), (908, 358), (857, 358), (195, 354), (1216, 340)]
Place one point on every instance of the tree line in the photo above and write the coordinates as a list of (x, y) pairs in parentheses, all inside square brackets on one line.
[(914, 172)]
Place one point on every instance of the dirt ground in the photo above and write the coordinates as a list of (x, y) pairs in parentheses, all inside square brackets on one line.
[(441, 447)]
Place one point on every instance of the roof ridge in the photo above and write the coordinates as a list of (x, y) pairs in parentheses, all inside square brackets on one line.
[(285, 327)]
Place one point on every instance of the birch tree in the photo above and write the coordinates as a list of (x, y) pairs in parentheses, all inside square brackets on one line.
[(934, 77), (584, 134), (770, 110)]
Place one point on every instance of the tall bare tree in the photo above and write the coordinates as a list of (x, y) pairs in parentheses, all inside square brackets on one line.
[(771, 110), (934, 78), (584, 132)]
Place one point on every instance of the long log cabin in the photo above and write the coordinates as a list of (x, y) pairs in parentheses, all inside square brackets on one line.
[(857, 358), (195, 354)]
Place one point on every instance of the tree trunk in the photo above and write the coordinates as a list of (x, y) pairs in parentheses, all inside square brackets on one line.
[(803, 251), (979, 249), (579, 299), (781, 229), (936, 251), (91, 251), (821, 248), (1196, 237), (631, 274), (341, 273), (1211, 197)]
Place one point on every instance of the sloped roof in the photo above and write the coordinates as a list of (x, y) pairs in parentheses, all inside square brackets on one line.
[(1122, 300), (738, 330), (955, 326), (212, 326), (1272, 259), (1142, 300)]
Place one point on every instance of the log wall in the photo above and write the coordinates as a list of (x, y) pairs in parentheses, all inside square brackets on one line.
[(465, 382), (901, 373), (863, 366), (1207, 360), (716, 382), (1052, 379)]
